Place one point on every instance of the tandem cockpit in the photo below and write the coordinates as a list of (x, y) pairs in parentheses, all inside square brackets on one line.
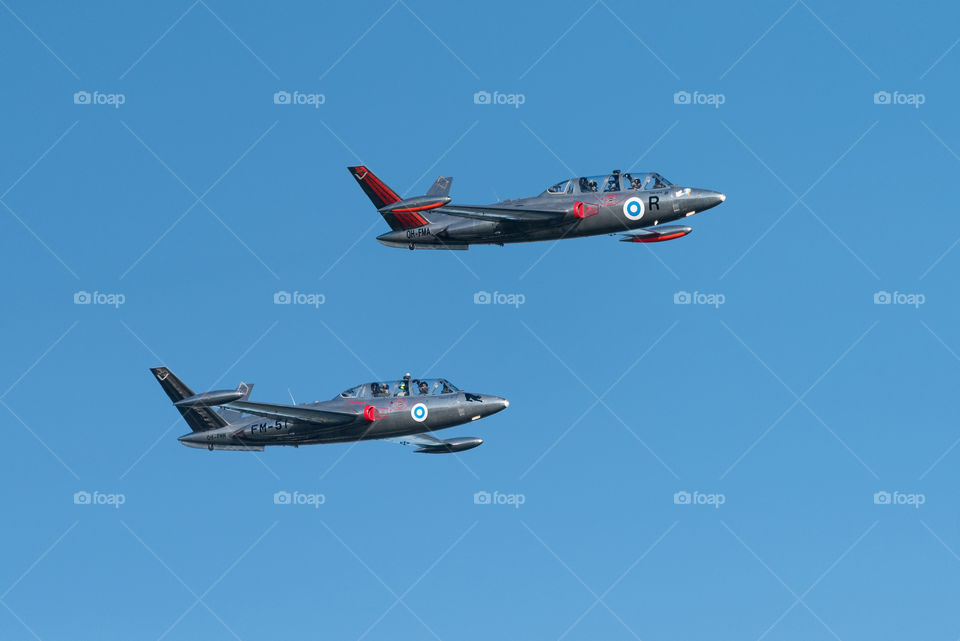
[(402, 387), (616, 181)]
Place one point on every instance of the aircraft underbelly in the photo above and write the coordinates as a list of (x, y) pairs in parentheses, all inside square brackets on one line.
[(608, 220), (511, 233)]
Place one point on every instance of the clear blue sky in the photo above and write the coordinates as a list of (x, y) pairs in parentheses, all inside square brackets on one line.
[(196, 199)]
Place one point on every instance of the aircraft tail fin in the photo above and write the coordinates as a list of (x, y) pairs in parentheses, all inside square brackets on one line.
[(375, 189), (232, 416), (382, 197), (200, 419)]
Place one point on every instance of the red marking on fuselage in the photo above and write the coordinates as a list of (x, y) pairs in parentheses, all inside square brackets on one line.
[(585, 210), (372, 413)]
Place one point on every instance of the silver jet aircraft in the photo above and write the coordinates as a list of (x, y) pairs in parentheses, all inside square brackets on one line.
[(634, 203), (404, 411)]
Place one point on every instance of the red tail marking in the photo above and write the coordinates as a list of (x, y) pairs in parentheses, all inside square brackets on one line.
[(411, 220), (378, 190), (387, 194)]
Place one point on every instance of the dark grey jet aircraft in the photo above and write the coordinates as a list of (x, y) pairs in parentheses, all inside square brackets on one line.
[(619, 202), (404, 411)]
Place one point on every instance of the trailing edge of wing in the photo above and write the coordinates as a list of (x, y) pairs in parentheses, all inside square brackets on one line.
[(296, 412), (503, 214)]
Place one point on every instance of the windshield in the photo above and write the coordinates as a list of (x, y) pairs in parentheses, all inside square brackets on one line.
[(411, 387), (614, 182), (434, 387), (651, 180)]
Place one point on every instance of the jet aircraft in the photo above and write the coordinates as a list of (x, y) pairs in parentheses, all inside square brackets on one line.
[(404, 411), (634, 204)]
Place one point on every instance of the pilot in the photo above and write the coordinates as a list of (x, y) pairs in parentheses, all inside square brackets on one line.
[(403, 389), (424, 388), (380, 389)]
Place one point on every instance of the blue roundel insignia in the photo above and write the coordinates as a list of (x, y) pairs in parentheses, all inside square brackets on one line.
[(419, 412), (633, 208)]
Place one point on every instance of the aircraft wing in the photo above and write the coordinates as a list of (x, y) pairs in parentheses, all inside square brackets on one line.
[(506, 214), (293, 412), (428, 444)]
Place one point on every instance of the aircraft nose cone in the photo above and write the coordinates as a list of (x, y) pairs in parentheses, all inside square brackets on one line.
[(704, 199), (494, 404)]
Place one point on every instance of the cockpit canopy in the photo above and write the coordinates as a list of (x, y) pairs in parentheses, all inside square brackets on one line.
[(417, 387), (612, 182)]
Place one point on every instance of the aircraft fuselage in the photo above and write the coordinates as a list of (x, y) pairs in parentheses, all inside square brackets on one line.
[(589, 215), (373, 418)]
